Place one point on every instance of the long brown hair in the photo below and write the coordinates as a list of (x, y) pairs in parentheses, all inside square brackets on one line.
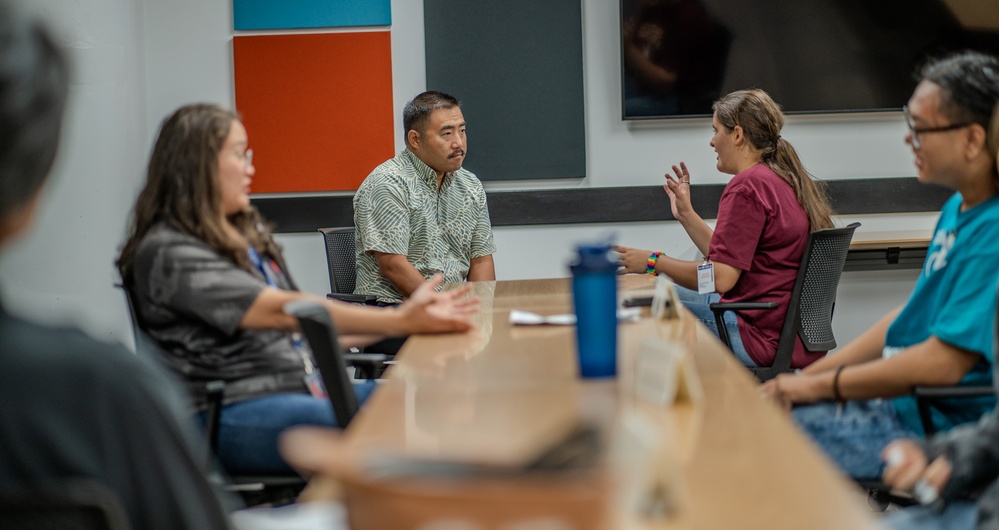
[(182, 190), (761, 120)]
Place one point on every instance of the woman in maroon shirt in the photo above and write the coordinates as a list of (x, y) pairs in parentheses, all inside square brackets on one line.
[(764, 218)]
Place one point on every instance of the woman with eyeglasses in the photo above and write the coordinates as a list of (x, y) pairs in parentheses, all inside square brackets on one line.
[(764, 218), (210, 284)]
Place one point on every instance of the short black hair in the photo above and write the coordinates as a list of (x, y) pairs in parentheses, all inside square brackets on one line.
[(34, 82), (416, 113), (970, 83)]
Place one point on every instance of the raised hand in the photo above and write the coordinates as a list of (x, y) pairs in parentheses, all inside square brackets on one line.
[(678, 189)]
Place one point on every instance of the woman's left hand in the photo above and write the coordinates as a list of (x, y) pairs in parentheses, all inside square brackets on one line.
[(789, 389), (632, 259), (678, 190), (431, 311)]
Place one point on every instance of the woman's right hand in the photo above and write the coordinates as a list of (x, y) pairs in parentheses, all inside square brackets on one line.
[(678, 190), (907, 465), (632, 260)]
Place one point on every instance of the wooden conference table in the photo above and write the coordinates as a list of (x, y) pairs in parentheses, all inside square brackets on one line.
[(495, 395)]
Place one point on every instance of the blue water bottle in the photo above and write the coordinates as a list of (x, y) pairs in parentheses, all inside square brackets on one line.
[(594, 295)]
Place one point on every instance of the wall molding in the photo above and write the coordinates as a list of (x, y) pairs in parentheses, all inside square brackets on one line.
[(611, 204)]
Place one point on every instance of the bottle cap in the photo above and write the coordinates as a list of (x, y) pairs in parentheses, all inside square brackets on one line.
[(593, 258)]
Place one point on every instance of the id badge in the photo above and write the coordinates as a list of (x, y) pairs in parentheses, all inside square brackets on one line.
[(315, 383), (705, 278)]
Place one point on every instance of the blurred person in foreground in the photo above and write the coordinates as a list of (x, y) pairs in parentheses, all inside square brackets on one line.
[(856, 401), (71, 407), (957, 471)]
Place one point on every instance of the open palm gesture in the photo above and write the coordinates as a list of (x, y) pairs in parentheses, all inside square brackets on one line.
[(678, 189)]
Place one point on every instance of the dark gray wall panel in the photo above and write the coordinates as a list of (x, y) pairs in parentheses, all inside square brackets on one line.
[(517, 67), (613, 205)]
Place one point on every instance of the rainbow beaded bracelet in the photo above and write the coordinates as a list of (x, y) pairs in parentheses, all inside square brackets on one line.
[(650, 266)]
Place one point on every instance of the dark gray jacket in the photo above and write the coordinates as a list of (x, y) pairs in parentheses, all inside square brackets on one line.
[(973, 451), (72, 407)]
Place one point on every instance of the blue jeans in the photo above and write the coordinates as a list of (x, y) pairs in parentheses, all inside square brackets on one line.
[(698, 305), (855, 436), (249, 430), (958, 515)]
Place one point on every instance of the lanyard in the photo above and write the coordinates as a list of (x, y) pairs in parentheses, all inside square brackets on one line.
[(296, 339), (258, 263)]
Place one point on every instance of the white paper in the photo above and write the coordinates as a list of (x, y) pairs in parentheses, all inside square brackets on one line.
[(518, 317), (317, 515)]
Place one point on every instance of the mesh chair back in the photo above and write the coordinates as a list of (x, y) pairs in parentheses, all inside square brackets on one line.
[(809, 315), (340, 258), (823, 265), (75, 504), (317, 327)]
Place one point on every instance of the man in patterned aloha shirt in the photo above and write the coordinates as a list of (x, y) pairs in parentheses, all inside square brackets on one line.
[(420, 213)]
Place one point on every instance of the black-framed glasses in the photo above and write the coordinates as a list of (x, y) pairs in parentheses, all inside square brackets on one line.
[(916, 131)]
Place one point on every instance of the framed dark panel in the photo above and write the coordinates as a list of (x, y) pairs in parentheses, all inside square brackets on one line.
[(517, 67), (811, 56), (613, 205)]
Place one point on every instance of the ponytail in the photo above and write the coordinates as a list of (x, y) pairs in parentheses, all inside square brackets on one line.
[(811, 194)]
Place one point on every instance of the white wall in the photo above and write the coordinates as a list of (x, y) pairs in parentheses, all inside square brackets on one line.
[(62, 270), (137, 60), (632, 154)]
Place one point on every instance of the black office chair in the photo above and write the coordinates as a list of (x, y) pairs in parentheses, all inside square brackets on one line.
[(809, 315), (927, 397), (340, 259), (342, 265), (254, 489), (317, 328), (68, 504)]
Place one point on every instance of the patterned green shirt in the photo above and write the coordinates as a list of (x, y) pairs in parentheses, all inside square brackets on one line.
[(398, 210)]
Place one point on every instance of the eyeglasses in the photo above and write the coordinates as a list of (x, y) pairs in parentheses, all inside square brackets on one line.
[(247, 157), (916, 131)]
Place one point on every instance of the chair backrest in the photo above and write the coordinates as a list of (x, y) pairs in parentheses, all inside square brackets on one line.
[(809, 315), (317, 327), (144, 345), (255, 489), (73, 504), (147, 348), (340, 258)]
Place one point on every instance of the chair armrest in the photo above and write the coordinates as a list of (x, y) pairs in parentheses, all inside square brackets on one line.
[(214, 394), (370, 365), (925, 395), (365, 299), (721, 307)]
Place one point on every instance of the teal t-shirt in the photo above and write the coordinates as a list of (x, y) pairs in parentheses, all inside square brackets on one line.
[(955, 301)]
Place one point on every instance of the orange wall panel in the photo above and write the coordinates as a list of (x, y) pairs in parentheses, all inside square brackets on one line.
[(317, 108)]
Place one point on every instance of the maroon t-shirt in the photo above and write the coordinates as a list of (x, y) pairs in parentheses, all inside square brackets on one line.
[(762, 231)]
